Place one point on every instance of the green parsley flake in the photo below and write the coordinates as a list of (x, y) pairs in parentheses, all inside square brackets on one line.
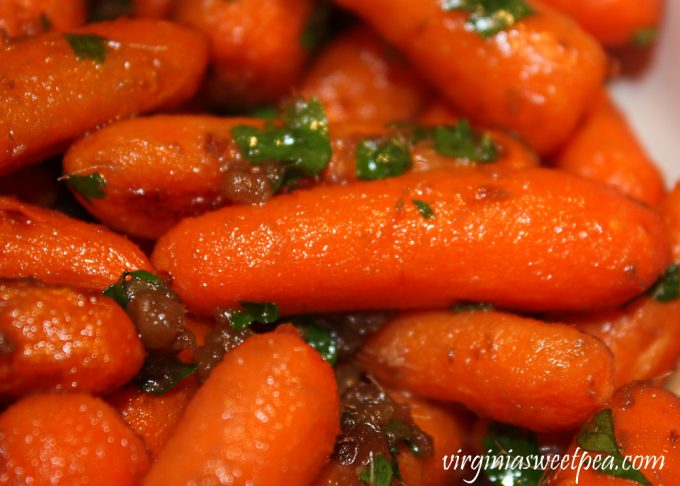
[(91, 47), (262, 312), (488, 17), (667, 288), (462, 142), (380, 159), (130, 283), (424, 208), (321, 338), (597, 436), (302, 143), (513, 444), (378, 473), (161, 373), (89, 186), (645, 36)]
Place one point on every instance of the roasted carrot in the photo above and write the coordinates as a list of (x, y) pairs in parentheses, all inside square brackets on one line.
[(670, 209), (605, 148), (19, 18), (58, 86), (153, 9), (153, 417), (257, 46), (495, 79), (271, 398), (72, 439), (369, 245), (62, 339), (49, 246), (160, 169), (645, 420), (359, 78), (439, 111), (615, 22)]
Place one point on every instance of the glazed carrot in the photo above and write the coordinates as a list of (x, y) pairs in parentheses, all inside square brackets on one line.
[(75, 439), (160, 169), (153, 9), (439, 111), (368, 245), (358, 78), (606, 149), (512, 369), (645, 424), (670, 209), (62, 339), (615, 22), (153, 417), (131, 66), (268, 414), (257, 46), (20, 18), (49, 246), (495, 79)]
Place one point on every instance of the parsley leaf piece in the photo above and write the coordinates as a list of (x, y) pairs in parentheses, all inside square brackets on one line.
[(598, 436), (472, 307), (488, 17), (380, 159), (424, 208), (161, 373), (398, 431), (89, 186), (645, 36), (462, 142), (378, 473), (45, 22), (321, 338), (262, 312), (316, 30), (302, 142), (131, 282), (88, 46), (507, 440), (667, 288)]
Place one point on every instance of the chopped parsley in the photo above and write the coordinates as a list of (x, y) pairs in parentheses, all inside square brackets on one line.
[(667, 288), (321, 338), (513, 444), (400, 432), (378, 473), (645, 36), (424, 208), (462, 142), (89, 186), (161, 373), (598, 436), (91, 47), (302, 143), (488, 17), (262, 312), (129, 283), (380, 158), (316, 30)]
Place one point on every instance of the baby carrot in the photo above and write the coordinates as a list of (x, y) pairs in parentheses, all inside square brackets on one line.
[(62, 339), (493, 77), (645, 427), (512, 369), (268, 414), (359, 79), (72, 439), (55, 86), (19, 18), (258, 46), (604, 148), (87, 256), (670, 209), (422, 240), (615, 22), (153, 9)]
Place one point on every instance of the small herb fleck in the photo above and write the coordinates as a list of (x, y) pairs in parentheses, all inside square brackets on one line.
[(667, 288), (507, 440), (262, 312), (380, 159), (645, 36), (130, 282), (424, 208), (378, 473), (89, 186), (161, 373), (488, 17), (321, 338), (462, 142), (316, 30), (91, 47), (45, 22)]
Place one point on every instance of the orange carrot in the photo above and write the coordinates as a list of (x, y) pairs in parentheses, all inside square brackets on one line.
[(61, 339), (358, 79), (255, 419), (49, 246), (58, 86), (153, 9), (670, 209), (257, 46), (645, 424), (19, 18), (535, 78), (369, 245), (606, 149), (512, 369), (72, 439), (615, 22)]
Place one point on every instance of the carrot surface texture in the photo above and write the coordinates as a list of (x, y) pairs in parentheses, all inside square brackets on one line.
[(58, 86), (268, 414), (423, 240), (19, 18)]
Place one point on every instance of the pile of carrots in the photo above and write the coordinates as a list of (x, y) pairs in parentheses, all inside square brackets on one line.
[(457, 164)]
